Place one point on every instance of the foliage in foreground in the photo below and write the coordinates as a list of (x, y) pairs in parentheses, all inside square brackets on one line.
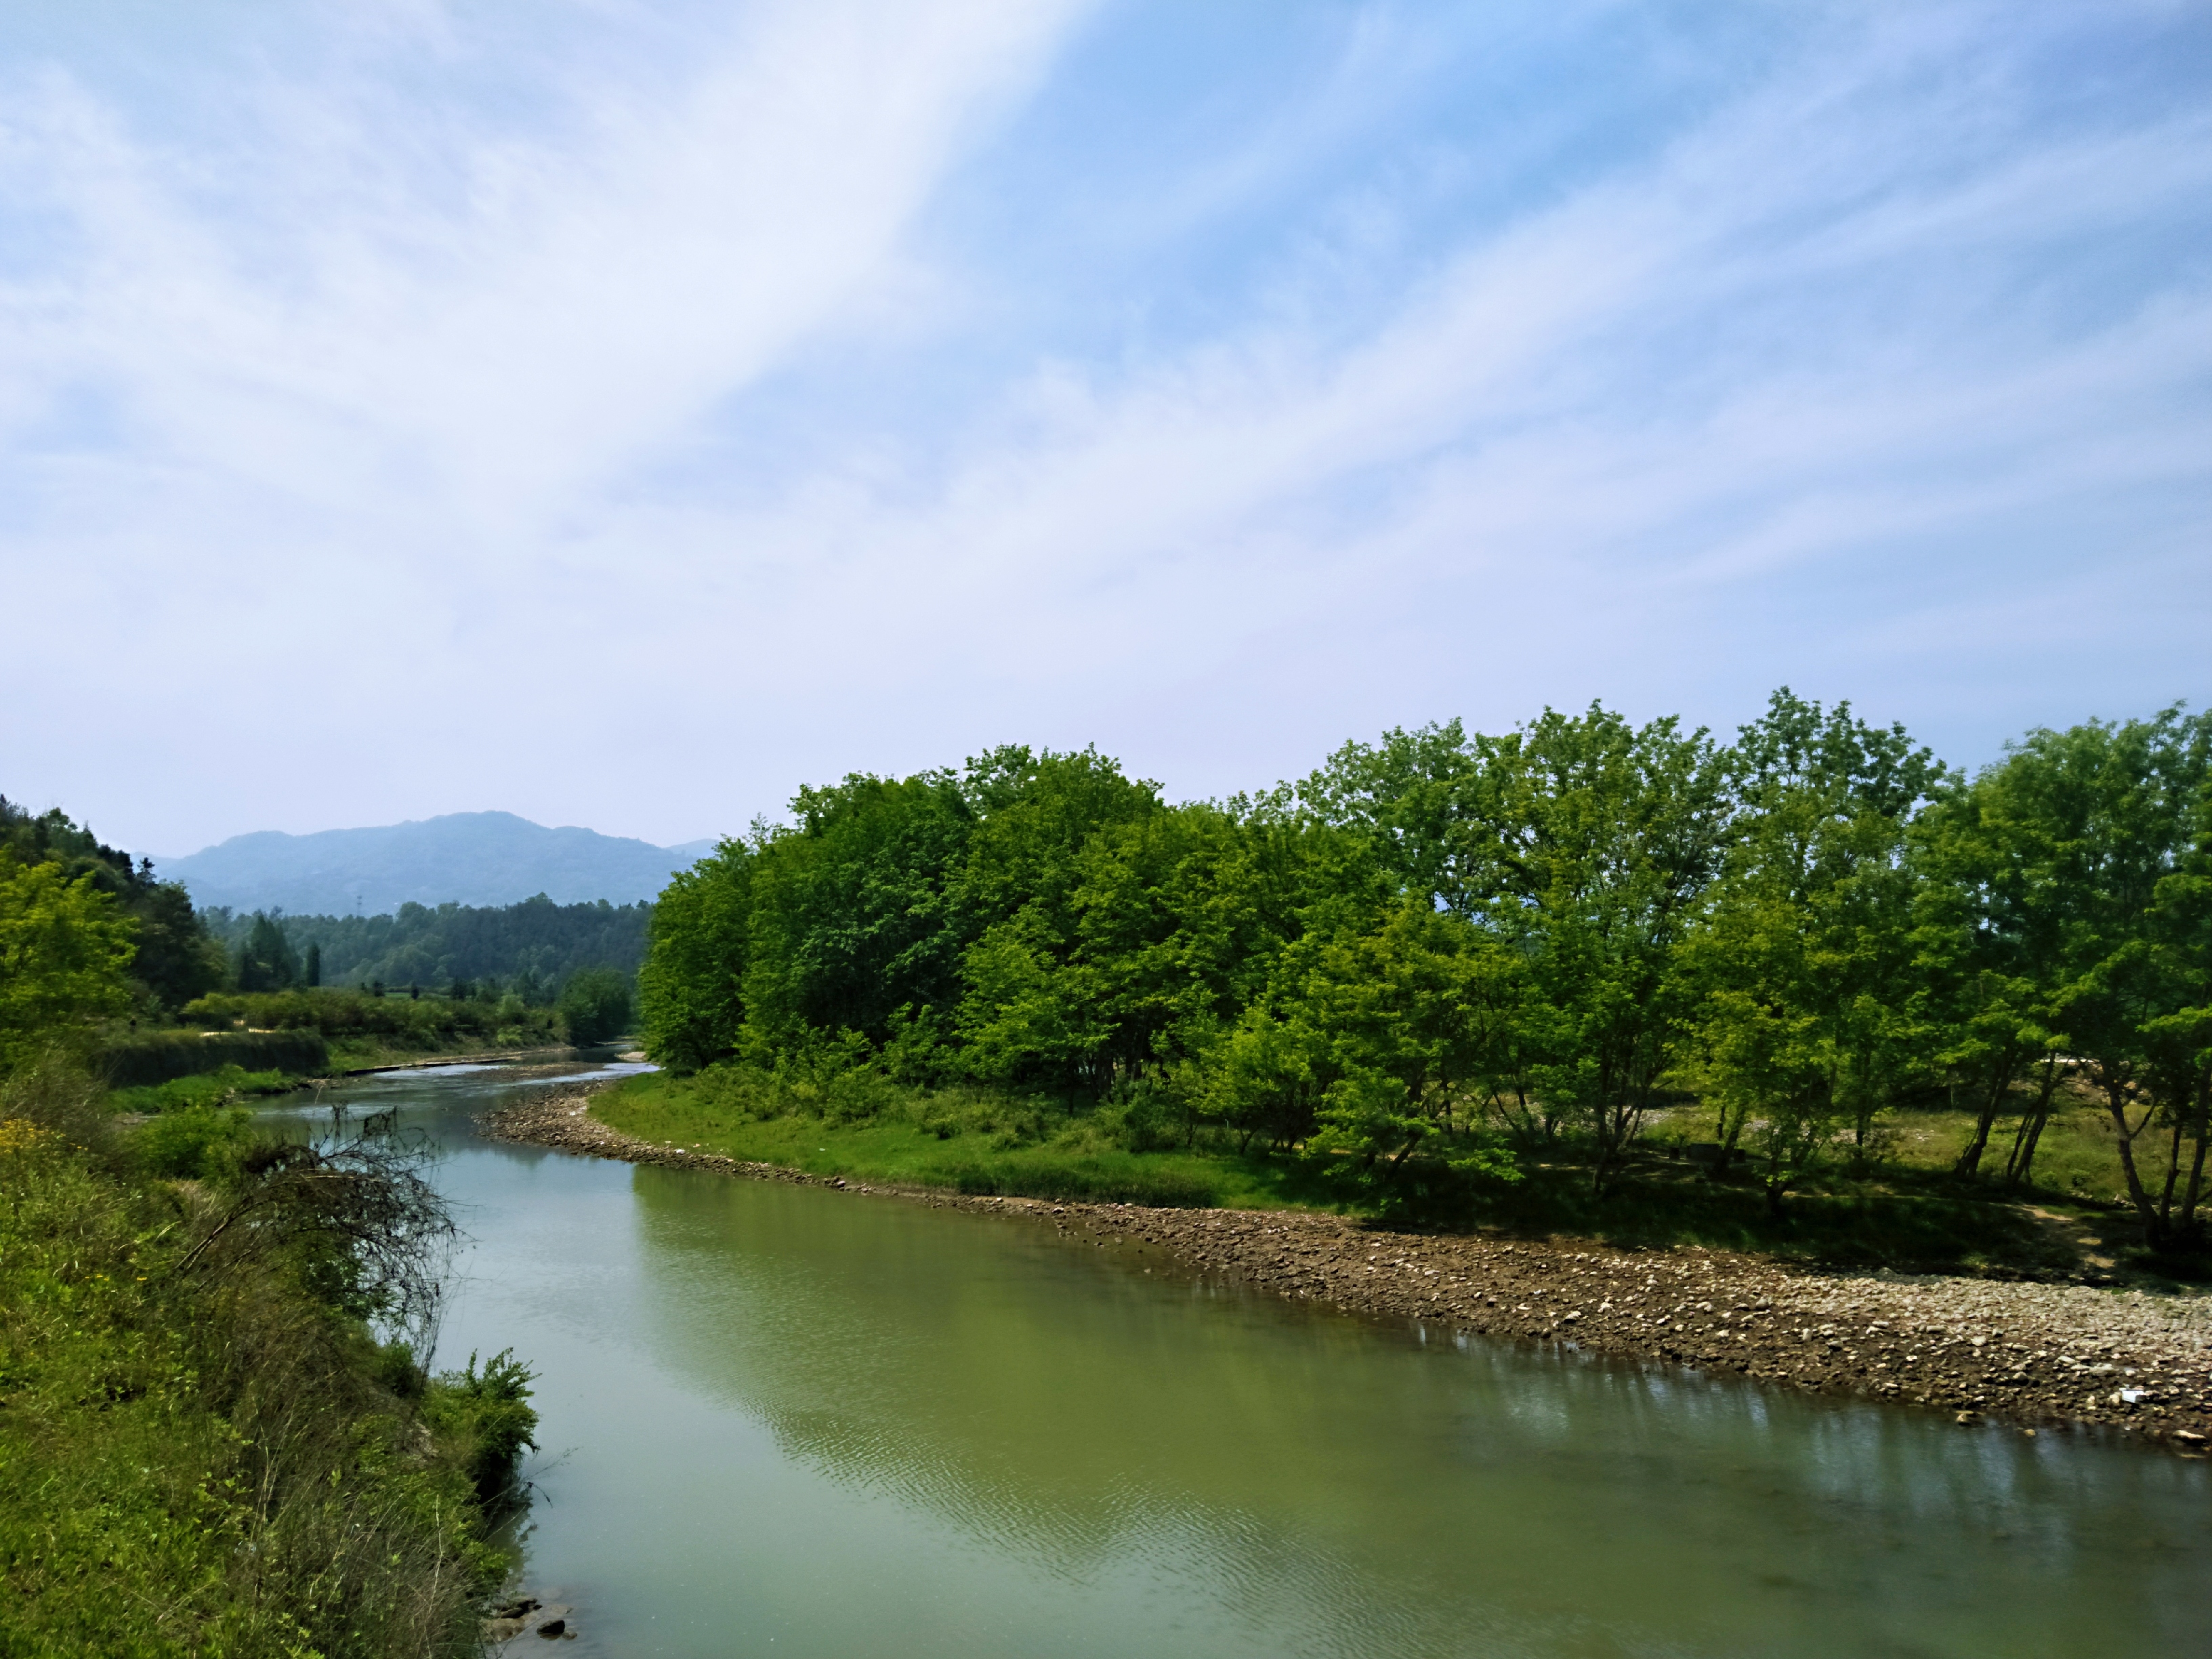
[(203, 1449), (1447, 959)]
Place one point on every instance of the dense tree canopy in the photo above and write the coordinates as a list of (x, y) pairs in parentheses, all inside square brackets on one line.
[(1443, 946), (176, 960), (530, 948), (65, 953)]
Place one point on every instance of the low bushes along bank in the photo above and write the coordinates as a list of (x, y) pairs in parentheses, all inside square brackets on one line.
[(354, 1022), (148, 1058)]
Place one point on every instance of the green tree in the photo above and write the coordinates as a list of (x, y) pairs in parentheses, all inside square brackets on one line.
[(1397, 1028), (1990, 938), (65, 956), (2180, 1038), (266, 961), (1586, 845), (594, 1005), (2063, 881), (851, 920), (1118, 966), (311, 971), (1810, 1019), (2117, 814), (177, 960), (691, 987)]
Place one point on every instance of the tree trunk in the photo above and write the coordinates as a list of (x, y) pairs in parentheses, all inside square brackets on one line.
[(2173, 1173), (2027, 1154), (2030, 1127), (2115, 1102), (2204, 1125), (1608, 1142), (1970, 1161)]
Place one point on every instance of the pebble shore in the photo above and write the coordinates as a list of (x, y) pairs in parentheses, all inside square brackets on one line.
[(2038, 1356)]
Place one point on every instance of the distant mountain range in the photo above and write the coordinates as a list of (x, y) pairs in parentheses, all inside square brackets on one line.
[(467, 858)]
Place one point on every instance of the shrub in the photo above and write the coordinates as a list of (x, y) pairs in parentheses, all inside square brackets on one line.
[(154, 1057), (183, 1145)]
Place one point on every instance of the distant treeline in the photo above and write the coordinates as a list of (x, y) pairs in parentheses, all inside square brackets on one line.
[(533, 948), (1446, 954)]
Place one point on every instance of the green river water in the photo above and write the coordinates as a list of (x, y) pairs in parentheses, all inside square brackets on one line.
[(783, 1420)]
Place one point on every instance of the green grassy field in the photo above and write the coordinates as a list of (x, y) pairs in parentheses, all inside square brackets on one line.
[(966, 1142)]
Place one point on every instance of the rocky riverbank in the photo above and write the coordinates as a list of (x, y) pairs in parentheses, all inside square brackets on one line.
[(2035, 1355)]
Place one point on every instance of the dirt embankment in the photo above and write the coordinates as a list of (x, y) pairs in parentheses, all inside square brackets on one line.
[(2029, 1353)]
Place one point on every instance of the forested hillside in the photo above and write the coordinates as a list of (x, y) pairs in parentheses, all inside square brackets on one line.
[(53, 863), (1447, 957)]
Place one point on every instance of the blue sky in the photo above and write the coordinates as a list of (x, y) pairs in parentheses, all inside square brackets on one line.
[(621, 413)]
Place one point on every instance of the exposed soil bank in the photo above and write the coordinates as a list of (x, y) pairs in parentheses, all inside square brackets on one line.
[(2033, 1355)]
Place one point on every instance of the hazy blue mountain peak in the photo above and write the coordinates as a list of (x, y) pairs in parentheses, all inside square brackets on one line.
[(466, 858)]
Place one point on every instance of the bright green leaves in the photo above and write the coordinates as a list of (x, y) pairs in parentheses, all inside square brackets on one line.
[(1804, 954), (1447, 942), (851, 915), (692, 987), (2069, 909), (65, 955), (1583, 846), (1396, 1039)]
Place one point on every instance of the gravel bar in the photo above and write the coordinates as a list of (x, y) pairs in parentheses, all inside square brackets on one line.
[(2033, 1355)]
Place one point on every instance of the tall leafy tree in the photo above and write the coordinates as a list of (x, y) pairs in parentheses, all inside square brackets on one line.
[(1168, 930), (852, 927), (2112, 811), (2180, 1036), (1395, 1030), (1586, 844), (1805, 954), (692, 987), (2064, 885), (266, 961), (1991, 935), (177, 958), (65, 955)]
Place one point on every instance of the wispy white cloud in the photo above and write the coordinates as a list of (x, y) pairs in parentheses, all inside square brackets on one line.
[(629, 417)]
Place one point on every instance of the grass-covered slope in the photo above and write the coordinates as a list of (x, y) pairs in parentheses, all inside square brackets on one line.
[(968, 1140)]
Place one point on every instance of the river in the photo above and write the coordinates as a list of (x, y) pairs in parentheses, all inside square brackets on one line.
[(784, 1420)]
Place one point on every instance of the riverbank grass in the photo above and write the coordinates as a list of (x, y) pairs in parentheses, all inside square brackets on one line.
[(964, 1141), (1904, 1211)]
